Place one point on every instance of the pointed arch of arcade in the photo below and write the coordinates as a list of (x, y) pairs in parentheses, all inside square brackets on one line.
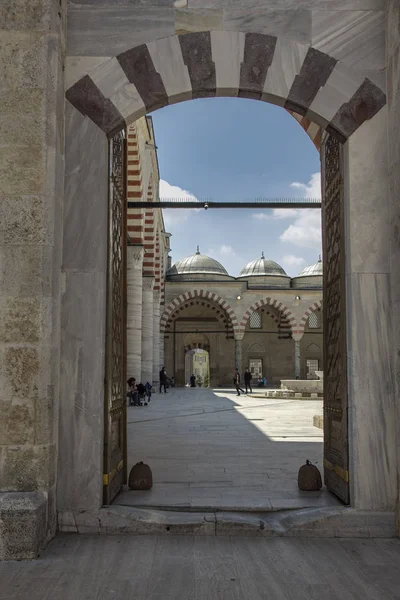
[(200, 294), (303, 321), (288, 320), (126, 86)]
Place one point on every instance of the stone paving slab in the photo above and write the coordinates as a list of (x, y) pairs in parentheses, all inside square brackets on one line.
[(213, 449), (172, 567)]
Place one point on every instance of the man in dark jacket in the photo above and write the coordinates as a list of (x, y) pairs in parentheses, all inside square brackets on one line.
[(247, 380), (236, 381), (163, 380)]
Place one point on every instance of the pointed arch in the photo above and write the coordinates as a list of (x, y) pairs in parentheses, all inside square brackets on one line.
[(288, 320), (197, 294), (303, 321)]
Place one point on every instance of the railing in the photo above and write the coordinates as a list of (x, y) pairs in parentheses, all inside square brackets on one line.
[(207, 203)]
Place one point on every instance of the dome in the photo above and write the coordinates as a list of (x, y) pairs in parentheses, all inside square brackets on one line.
[(264, 267), (312, 270), (197, 264)]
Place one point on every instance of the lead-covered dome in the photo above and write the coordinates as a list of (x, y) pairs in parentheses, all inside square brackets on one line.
[(312, 270), (310, 277), (262, 267), (195, 266)]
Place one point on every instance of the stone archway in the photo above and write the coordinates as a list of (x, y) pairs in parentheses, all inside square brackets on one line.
[(198, 294), (288, 320), (106, 94), (303, 321)]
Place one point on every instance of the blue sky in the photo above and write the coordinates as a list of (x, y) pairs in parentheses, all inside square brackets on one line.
[(238, 149)]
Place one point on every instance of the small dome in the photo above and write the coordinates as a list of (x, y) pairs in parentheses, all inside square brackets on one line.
[(197, 264), (264, 267), (312, 270)]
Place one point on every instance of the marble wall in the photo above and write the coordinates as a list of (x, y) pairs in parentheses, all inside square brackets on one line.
[(31, 192), (372, 435), (393, 77), (83, 312)]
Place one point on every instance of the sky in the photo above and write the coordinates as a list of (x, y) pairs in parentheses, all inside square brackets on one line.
[(238, 149)]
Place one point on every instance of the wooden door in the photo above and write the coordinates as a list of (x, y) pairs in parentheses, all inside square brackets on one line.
[(336, 455), (114, 474)]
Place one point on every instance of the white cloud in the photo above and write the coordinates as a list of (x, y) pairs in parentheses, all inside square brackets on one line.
[(312, 189), (174, 192), (227, 251), (277, 213), (291, 260), (306, 229), (174, 216)]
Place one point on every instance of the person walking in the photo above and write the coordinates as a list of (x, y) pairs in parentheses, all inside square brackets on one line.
[(236, 381), (163, 380), (148, 387), (247, 380)]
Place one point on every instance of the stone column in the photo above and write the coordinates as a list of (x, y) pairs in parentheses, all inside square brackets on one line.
[(162, 350), (147, 329), (238, 355), (297, 355), (134, 311), (156, 339)]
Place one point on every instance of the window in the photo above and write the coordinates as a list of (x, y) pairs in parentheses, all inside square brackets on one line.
[(314, 320), (312, 366), (255, 365), (255, 320)]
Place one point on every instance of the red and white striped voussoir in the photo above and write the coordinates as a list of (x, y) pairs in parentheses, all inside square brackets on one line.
[(204, 294), (313, 307), (267, 302)]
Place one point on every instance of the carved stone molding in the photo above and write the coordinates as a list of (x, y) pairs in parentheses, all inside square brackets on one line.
[(135, 256), (148, 284)]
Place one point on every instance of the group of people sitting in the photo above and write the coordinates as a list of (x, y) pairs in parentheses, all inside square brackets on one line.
[(138, 394)]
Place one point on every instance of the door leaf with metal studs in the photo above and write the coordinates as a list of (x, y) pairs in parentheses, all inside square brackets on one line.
[(114, 474), (336, 456)]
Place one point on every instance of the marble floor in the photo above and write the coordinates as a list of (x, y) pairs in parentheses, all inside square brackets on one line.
[(212, 450), (79, 567)]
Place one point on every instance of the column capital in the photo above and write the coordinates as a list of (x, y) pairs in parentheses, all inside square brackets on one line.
[(296, 337), (239, 336), (135, 256), (148, 283)]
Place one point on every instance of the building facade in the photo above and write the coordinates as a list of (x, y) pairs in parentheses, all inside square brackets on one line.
[(263, 319)]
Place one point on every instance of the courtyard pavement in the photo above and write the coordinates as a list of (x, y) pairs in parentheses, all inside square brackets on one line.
[(213, 450), (80, 567)]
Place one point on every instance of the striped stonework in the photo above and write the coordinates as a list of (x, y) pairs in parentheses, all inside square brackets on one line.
[(322, 92), (149, 245), (287, 322), (303, 321), (199, 295), (135, 216), (313, 130), (157, 263)]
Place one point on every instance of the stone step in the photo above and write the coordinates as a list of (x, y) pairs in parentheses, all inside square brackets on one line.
[(307, 522)]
